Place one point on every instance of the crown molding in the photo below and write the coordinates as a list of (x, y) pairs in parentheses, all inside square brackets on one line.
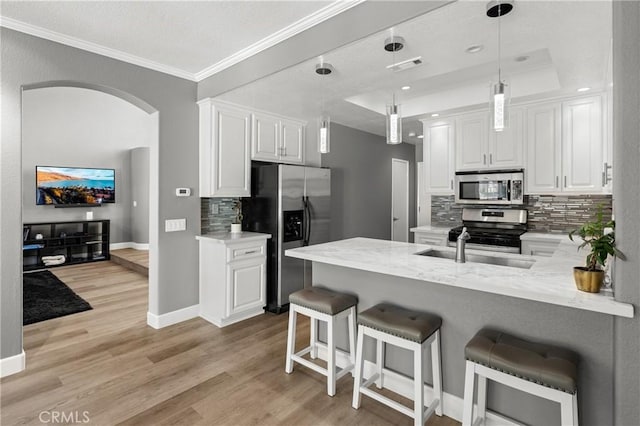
[(57, 37), (297, 27)]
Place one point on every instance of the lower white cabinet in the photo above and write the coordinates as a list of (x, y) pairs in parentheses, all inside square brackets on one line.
[(431, 237), (540, 246), (232, 277)]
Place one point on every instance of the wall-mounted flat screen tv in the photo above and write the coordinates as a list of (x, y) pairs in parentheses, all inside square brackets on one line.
[(74, 186)]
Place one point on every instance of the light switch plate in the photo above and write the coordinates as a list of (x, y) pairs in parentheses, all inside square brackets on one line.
[(173, 225)]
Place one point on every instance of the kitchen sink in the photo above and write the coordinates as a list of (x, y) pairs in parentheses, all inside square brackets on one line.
[(481, 258)]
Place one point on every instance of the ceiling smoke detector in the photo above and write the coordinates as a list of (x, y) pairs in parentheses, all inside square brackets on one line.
[(405, 65), (394, 44), (497, 8), (324, 68)]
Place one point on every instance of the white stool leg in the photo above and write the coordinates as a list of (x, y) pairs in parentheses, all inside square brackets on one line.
[(567, 411), (291, 339), (482, 398), (351, 319), (436, 369), (313, 339), (469, 384), (331, 357), (358, 367), (380, 346), (418, 385)]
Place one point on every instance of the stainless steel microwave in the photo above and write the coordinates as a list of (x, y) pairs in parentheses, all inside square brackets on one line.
[(490, 187)]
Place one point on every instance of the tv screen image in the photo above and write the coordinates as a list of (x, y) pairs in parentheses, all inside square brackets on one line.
[(74, 186)]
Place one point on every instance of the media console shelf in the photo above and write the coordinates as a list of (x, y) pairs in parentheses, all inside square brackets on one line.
[(78, 241)]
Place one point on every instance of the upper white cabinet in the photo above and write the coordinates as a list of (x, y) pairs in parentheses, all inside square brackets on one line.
[(277, 139), (225, 143), (479, 148), (438, 152), (565, 147), (582, 145)]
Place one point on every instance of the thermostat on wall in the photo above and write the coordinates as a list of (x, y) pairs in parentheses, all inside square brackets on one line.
[(183, 192)]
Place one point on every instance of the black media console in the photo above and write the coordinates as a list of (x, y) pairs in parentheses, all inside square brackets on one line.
[(78, 241)]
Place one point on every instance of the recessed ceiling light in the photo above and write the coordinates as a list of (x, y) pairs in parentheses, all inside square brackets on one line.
[(522, 58), (406, 87), (474, 49), (420, 136), (584, 89), (435, 114), (412, 134)]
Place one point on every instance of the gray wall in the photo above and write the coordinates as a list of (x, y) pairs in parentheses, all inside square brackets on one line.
[(30, 60), (626, 205), (140, 195), (360, 165), (77, 127)]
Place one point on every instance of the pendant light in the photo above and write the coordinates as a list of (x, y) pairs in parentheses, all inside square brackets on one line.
[(394, 115), (499, 96), (324, 122)]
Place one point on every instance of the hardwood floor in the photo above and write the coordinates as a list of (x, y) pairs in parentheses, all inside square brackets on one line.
[(106, 365), (136, 260)]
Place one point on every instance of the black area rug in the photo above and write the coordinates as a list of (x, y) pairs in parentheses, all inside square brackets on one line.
[(45, 297)]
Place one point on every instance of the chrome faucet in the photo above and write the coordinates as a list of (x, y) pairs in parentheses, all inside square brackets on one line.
[(461, 244)]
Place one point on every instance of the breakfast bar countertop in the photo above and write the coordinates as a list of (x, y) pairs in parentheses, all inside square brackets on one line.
[(549, 280)]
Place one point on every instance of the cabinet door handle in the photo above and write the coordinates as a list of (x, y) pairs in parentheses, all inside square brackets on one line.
[(490, 158), (451, 183), (251, 251), (484, 158), (604, 178), (557, 181), (565, 181)]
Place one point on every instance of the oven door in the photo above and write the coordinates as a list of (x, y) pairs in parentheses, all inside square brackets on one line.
[(483, 188)]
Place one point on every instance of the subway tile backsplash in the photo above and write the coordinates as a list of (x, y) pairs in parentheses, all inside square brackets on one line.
[(547, 213), (221, 221)]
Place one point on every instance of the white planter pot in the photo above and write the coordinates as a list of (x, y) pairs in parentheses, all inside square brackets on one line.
[(236, 228)]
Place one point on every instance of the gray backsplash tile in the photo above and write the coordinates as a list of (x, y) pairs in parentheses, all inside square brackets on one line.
[(210, 222), (547, 213)]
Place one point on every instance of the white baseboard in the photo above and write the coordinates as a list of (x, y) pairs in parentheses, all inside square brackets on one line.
[(174, 317), (403, 385), (12, 364), (129, 244), (223, 322)]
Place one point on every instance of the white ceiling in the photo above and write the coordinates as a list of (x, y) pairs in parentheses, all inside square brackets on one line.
[(568, 44), (190, 39)]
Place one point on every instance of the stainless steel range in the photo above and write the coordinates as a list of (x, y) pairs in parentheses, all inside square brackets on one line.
[(492, 229)]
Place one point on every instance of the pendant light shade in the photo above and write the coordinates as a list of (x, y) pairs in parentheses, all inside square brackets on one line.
[(500, 98), (324, 134), (394, 124)]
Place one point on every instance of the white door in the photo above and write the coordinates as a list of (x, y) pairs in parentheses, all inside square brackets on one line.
[(423, 199), (399, 200), (471, 141), (438, 156)]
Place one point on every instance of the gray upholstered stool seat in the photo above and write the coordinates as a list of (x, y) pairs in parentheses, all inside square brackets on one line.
[(323, 300), (546, 365), (327, 306), (405, 323), (405, 328), (544, 370)]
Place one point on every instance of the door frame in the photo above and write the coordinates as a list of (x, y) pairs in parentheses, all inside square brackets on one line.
[(406, 178)]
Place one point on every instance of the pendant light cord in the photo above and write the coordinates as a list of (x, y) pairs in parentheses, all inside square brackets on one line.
[(499, 43)]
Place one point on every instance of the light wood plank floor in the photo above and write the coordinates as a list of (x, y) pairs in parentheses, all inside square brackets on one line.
[(108, 363), (136, 260)]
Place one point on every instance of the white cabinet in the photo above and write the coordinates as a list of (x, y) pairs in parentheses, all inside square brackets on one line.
[(480, 148), (565, 147), (582, 145), (232, 278), (540, 244), (438, 152), (277, 139), (434, 238), (225, 141), (472, 141)]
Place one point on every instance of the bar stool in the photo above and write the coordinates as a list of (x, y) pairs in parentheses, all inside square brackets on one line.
[(546, 371), (322, 305), (408, 329)]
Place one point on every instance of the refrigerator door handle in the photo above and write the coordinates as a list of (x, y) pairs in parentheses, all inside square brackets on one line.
[(308, 206), (305, 223)]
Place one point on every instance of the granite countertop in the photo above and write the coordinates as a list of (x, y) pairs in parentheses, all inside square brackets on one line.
[(231, 238), (550, 279), (545, 236), (431, 229)]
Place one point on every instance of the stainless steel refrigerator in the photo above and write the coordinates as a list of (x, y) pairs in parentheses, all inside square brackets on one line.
[(293, 204)]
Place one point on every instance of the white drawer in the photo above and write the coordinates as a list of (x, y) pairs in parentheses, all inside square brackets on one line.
[(245, 251)]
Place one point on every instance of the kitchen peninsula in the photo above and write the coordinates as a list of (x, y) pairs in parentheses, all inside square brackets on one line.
[(540, 304)]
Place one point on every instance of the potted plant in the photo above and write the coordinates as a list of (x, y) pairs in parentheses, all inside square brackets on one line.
[(600, 237), (236, 225)]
